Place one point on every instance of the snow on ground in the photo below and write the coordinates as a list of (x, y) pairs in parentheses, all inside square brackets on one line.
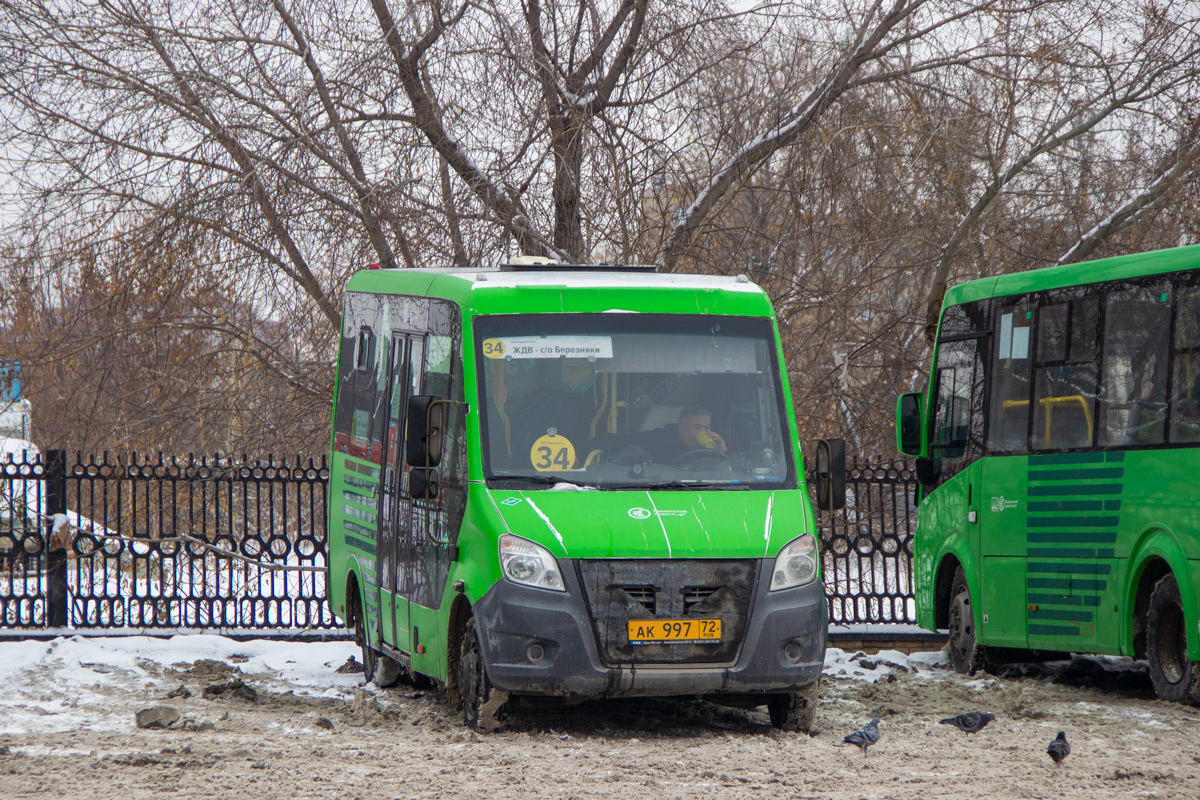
[(68, 683), (67, 729), (877, 667)]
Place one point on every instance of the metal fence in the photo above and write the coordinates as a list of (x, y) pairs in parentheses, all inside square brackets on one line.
[(135, 543), (867, 546)]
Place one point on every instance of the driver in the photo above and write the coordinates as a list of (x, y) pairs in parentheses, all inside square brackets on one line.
[(694, 432)]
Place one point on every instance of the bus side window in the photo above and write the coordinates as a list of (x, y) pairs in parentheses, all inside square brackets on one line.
[(1136, 338), (1065, 382), (955, 436), (1185, 377), (1008, 417), (358, 416)]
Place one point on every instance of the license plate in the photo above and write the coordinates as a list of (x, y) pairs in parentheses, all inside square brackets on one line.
[(674, 631)]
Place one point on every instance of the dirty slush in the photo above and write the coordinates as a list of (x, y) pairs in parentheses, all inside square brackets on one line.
[(221, 732)]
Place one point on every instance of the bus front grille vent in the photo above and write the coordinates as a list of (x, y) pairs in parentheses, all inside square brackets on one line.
[(694, 595), (642, 595), (620, 590)]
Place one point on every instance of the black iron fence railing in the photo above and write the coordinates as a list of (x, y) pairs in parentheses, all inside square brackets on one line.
[(867, 546), (135, 542), (238, 545)]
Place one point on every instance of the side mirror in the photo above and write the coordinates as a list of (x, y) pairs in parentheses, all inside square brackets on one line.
[(423, 431), (909, 428), (831, 474), (422, 483)]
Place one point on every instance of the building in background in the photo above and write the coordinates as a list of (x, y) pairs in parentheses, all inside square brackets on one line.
[(14, 409)]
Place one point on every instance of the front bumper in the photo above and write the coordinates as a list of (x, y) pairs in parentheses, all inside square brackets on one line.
[(542, 643)]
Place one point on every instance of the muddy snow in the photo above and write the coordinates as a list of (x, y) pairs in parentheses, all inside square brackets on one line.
[(275, 720)]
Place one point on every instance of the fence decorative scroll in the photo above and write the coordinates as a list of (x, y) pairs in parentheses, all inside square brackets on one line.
[(867, 546), (139, 543)]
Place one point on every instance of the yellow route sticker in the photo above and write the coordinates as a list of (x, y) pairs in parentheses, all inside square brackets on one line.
[(493, 348), (552, 453), (550, 347)]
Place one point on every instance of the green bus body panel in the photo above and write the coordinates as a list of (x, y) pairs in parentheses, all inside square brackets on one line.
[(350, 497), (1062, 539), (678, 524), (943, 537), (571, 524)]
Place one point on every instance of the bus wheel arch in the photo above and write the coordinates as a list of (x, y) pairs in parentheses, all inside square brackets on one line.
[(1158, 552), (356, 618), (353, 606), (1153, 570), (941, 594), (377, 666)]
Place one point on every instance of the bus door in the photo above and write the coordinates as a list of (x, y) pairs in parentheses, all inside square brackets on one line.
[(1003, 507), (397, 507), (1044, 500), (433, 524), (956, 440)]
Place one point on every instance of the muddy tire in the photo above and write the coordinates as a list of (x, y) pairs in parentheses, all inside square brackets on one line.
[(1175, 677), (484, 706), (795, 711), (966, 655)]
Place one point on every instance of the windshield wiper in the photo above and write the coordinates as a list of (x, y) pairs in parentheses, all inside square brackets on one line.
[(672, 484), (549, 479)]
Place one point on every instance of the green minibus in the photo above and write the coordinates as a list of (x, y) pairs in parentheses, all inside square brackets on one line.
[(574, 482), (1058, 449)]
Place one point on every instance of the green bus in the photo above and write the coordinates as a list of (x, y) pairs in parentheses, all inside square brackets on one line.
[(574, 482), (1058, 451)]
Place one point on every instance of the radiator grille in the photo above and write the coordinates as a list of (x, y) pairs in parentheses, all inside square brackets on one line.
[(619, 590)]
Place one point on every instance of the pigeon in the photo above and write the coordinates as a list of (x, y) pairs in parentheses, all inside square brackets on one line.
[(970, 722), (865, 736), (1059, 749)]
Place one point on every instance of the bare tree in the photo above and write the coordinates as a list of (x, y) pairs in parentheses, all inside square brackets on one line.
[(299, 141), (848, 224), (852, 158), (1144, 202), (1055, 89)]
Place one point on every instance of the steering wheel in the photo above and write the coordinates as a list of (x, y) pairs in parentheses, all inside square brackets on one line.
[(695, 457)]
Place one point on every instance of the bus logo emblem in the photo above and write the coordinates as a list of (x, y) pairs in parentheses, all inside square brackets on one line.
[(639, 513), (1000, 504), (512, 501)]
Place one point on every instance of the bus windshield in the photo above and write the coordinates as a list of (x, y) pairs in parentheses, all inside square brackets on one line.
[(622, 400)]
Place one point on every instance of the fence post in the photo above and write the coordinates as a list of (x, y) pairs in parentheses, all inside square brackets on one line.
[(56, 553)]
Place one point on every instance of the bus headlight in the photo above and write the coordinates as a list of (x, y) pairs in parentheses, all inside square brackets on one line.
[(796, 563), (529, 564)]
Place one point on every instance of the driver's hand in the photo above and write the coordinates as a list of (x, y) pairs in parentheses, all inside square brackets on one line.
[(717, 440)]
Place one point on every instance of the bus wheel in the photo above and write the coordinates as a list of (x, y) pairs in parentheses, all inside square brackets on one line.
[(964, 650), (484, 706), (794, 711), (1175, 677)]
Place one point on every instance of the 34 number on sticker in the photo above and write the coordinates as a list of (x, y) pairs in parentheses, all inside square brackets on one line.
[(493, 348), (552, 454)]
